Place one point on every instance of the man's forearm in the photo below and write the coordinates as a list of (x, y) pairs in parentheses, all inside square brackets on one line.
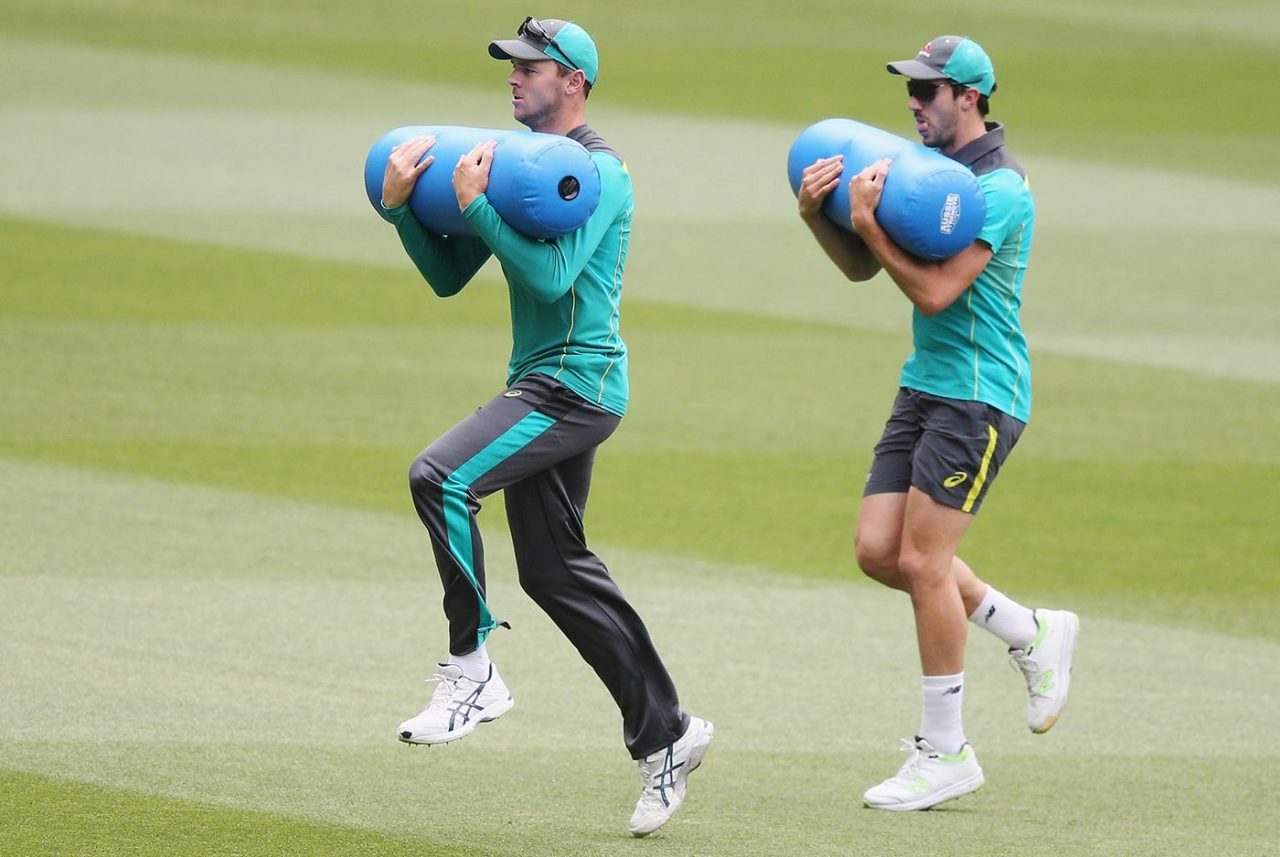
[(845, 249)]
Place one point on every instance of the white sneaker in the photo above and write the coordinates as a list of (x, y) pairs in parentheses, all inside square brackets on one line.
[(927, 779), (1046, 665), (665, 774), (457, 706)]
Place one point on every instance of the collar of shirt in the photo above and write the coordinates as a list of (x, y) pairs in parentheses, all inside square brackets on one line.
[(971, 153)]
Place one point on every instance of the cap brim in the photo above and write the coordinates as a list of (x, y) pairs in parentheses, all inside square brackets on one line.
[(915, 70), (515, 49)]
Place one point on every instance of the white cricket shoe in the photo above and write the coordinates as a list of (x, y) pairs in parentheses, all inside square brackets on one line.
[(665, 774), (1046, 665), (927, 779), (457, 706)]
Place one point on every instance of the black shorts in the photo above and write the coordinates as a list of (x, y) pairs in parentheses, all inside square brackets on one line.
[(950, 449)]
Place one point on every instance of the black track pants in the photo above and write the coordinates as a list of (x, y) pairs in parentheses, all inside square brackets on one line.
[(537, 441)]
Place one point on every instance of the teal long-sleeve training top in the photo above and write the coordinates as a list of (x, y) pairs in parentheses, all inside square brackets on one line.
[(565, 292)]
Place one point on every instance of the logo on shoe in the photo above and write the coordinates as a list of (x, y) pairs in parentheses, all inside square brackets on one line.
[(1046, 682), (957, 478), (667, 776), (919, 785)]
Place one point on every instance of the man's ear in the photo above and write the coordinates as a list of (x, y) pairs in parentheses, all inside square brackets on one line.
[(576, 81)]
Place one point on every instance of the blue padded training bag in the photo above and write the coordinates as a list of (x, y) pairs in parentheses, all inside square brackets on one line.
[(543, 185), (932, 206)]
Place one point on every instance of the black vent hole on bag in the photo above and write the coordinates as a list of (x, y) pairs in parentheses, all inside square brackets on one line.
[(568, 188)]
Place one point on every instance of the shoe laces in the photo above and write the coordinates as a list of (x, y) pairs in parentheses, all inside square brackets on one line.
[(445, 690), (659, 775), (916, 757), (1021, 660)]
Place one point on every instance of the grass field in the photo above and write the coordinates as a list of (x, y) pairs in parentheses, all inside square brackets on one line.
[(216, 602)]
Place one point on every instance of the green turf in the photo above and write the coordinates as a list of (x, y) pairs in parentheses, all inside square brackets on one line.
[(1117, 80), (165, 375), (70, 819), (215, 366), (242, 660), (52, 817)]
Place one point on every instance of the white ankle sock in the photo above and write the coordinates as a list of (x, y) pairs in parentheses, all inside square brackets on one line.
[(941, 724), (475, 665), (1006, 618)]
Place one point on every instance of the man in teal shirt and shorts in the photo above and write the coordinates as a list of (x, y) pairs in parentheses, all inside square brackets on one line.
[(536, 440), (964, 399)]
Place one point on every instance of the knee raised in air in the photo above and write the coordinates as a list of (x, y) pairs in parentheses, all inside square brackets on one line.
[(425, 477), (878, 558)]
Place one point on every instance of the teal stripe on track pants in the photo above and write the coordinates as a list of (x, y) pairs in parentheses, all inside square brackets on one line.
[(536, 442)]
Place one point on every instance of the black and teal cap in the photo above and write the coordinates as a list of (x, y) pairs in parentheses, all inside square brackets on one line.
[(954, 57), (551, 39)]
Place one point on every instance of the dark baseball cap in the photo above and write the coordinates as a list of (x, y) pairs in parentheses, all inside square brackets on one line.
[(954, 57), (551, 39)]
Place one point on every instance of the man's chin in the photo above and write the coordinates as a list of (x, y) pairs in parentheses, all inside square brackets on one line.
[(526, 119)]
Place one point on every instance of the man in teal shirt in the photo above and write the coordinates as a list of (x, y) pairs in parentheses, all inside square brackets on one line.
[(964, 399), (536, 441)]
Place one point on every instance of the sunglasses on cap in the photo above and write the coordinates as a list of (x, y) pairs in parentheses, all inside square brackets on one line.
[(532, 28)]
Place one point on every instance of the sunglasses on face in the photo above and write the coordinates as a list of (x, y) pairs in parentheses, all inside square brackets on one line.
[(925, 91), (533, 29)]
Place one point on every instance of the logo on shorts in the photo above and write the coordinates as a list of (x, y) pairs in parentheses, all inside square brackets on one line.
[(957, 478), (513, 394)]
